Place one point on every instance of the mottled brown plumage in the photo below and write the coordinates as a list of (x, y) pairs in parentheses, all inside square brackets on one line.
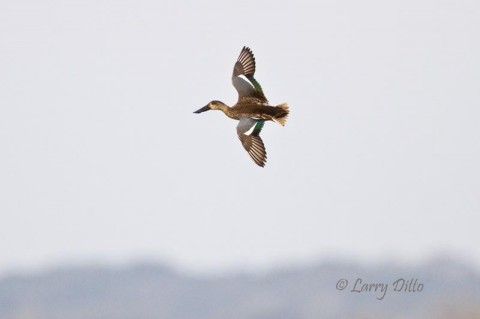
[(252, 108)]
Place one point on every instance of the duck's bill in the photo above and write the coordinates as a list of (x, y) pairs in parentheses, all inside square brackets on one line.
[(203, 109)]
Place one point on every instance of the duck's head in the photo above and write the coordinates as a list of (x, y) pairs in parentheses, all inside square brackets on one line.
[(214, 105)]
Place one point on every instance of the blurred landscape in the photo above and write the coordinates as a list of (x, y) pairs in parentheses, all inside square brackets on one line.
[(451, 289)]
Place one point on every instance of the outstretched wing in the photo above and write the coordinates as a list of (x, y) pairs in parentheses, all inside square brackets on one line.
[(252, 143), (242, 78)]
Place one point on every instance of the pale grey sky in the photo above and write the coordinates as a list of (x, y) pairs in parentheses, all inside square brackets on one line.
[(103, 160)]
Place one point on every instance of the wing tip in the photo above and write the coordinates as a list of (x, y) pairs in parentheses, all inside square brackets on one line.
[(255, 148), (245, 63)]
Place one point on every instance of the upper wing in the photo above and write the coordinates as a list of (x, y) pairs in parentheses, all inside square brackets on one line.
[(242, 78), (252, 143)]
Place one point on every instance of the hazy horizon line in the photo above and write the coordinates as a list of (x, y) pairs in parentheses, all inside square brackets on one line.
[(182, 269)]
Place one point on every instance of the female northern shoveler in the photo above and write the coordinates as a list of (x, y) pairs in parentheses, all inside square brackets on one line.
[(251, 109)]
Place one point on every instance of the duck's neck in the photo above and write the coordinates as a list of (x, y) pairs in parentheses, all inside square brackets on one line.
[(227, 110)]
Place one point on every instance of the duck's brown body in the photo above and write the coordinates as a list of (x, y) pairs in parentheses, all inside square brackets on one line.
[(277, 113)]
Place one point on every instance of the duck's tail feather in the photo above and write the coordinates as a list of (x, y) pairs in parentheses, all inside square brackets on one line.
[(282, 113)]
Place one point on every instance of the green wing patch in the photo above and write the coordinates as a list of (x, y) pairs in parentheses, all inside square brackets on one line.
[(256, 85), (258, 127)]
